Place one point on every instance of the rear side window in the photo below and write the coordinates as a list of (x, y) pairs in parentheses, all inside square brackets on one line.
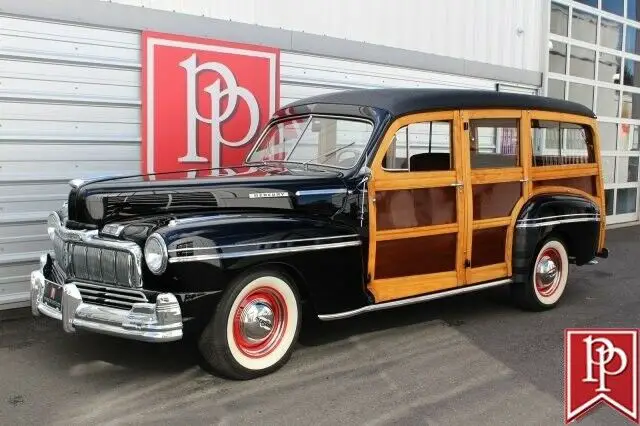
[(559, 143)]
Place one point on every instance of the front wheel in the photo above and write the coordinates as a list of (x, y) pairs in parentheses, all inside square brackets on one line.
[(547, 279), (254, 328)]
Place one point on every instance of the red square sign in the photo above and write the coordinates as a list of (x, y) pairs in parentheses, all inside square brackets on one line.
[(601, 365), (204, 102)]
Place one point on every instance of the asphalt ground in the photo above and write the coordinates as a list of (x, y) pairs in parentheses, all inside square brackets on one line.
[(469, 360)]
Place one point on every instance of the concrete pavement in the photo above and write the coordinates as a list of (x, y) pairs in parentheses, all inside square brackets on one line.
[(468, 360)]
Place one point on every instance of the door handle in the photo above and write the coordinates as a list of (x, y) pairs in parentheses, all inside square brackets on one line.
[(457, 184)]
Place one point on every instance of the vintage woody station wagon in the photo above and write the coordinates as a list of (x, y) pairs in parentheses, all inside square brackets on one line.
[(348, 203)]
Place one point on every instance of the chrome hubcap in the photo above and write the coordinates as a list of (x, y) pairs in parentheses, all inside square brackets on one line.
[(260, 322), (548, 272), (256, 321)]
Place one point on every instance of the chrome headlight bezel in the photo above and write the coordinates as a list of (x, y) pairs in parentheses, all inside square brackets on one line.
[(155, 246), (53, 223)]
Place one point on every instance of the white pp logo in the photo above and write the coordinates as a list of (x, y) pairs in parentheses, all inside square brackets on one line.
[(218, 116), (606, 354)]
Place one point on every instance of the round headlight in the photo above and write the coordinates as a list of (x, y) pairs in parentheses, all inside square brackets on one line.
[(155, 254)]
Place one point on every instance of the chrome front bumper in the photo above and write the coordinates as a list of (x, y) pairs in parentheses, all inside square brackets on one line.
[(150, 322)]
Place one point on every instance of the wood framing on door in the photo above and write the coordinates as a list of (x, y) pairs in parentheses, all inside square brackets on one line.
[(495, 183), (416, 208)]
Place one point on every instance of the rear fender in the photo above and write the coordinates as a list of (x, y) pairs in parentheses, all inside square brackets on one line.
[(572, 218)]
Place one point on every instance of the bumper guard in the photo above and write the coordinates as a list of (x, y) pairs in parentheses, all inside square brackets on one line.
[(149, 322)]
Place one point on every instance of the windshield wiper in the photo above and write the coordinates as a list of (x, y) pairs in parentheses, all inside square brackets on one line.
[(328, 153)]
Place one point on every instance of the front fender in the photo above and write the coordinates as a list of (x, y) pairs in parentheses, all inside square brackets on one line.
[(324, 258)]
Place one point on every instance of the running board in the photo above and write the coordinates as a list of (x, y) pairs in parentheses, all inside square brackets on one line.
[(413, 300)]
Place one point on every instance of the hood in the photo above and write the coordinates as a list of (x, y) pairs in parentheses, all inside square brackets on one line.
[(143, 197)]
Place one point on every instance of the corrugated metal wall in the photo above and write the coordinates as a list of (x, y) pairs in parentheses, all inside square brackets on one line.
[(500, 32), (70, 107)]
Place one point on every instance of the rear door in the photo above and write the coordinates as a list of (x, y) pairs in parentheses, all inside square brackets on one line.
[(495, 146)]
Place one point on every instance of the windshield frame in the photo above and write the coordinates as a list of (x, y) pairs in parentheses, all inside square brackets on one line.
[(308, 118)]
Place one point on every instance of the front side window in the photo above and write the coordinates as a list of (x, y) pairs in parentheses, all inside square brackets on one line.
[(316, 140), (420, 147), (558, 143)]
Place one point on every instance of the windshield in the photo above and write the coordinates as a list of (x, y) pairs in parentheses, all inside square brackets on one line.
[(325, 141)]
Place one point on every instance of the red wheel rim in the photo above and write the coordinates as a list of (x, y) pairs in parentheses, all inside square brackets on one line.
[(548, 272), (259, 322)]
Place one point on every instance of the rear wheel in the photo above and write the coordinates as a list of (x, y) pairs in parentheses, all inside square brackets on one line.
[(547, 279), (254, 328)]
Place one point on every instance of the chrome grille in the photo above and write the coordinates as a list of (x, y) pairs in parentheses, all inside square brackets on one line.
[(105, 265), (114, 297), (59, 250), (93, 263)]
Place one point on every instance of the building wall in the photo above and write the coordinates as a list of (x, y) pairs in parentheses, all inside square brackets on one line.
[(70, 106), (594, 59), (499, 32)]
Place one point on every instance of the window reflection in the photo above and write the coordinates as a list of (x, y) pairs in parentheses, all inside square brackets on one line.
[(633, 9), (609, 68), (608, 102), (558, 57), (555, 89), (592, 3), (582, 62), (611, 34), (608, 169), (629, 138), (608, 201), (613, 6), (559, 19), (581, 93), (583, 26), (632, 44), (626, 200), (630, 105), (627, 169), (608, 136), (631, 73)]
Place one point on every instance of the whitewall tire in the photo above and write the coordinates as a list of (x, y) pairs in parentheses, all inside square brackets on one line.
[(255, 326), (547, 279)]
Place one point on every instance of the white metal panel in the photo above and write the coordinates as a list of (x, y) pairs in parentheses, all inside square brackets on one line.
[(70, 107), (306, 75), (500, 32)]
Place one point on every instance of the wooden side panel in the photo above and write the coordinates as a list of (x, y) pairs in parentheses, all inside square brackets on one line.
[(416, 256), (581, 183), (489, 246), (495, 200), (411, 208)]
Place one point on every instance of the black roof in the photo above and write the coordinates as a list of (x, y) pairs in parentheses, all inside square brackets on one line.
[(403, 101)]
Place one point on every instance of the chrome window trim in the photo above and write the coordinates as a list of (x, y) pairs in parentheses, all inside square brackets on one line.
[(234, 255), (259, 243)]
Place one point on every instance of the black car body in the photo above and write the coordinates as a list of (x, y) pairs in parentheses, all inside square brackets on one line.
[(306, 221)]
